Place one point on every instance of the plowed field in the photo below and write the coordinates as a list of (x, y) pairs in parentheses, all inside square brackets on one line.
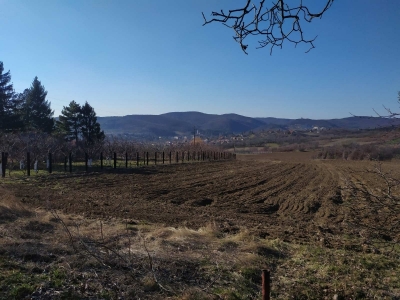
[(286, 195)]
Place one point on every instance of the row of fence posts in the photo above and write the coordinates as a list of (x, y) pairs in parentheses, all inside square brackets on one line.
[(179, 156)]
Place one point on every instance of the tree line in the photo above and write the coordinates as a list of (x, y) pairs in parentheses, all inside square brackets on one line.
[(29, 111)]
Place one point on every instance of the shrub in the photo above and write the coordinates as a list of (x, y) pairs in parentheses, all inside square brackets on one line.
[(355, 151)]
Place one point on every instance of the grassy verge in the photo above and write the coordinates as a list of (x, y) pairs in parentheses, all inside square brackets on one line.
[(134, 259)]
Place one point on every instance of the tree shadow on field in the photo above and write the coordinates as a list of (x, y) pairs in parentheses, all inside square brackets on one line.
[(140, 171), (11, 214), (94, 173)]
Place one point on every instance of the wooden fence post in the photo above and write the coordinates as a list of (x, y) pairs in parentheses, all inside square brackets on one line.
[(65, 163), (115, 160), (101, 160), (3, 165), (137, 159), (86, 161), (5, 162), (170, 156), (126, 160), (28, 163), (177, 158), (163, 157), (147, 157), (155, 158), (50, 163), (70, 162), (266, 288)]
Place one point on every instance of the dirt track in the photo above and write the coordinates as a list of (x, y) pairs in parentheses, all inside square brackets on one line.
[(285, 194)]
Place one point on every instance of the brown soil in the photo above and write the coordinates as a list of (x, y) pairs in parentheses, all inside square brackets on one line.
[(286, 195)]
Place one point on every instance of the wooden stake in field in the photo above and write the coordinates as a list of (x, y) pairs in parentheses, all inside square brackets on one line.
[(101, 160), (70, 162), (28, 163), (50, 166), (86, 161), (126, 160), (3, 165), (115, 160), (65, 163), (266, 288), (137, 159)]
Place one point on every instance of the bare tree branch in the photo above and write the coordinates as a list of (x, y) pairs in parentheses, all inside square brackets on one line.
[(382, 205), (252, 20)]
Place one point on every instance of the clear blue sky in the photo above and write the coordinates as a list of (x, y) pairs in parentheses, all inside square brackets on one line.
[(153, 57)]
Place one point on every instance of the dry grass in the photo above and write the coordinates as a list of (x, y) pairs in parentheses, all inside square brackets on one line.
[(37, 258)]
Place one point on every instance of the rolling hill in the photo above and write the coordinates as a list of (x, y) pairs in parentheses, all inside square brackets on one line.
[(183, 123)]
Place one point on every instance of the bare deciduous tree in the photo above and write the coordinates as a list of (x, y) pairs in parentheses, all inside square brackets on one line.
[(276, 23)]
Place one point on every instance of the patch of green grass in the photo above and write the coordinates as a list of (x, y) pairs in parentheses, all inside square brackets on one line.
[(18, 281), (394, 142), (57, 277), (21, 291), (272, 145), (15, 284)]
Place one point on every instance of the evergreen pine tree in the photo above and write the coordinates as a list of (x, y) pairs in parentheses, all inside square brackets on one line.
[(91, 131), (69, 122), (9, 114), (38, 115)]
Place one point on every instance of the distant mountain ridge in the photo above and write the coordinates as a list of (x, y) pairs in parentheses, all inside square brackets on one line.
[(183, 123)]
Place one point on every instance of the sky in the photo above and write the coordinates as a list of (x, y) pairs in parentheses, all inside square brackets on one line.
[(152, 57)]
